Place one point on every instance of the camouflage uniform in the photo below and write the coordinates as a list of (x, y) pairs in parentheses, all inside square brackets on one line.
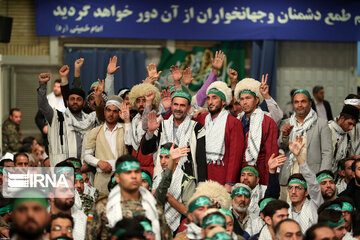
[(97, 223), (87, 202), (11, 136)]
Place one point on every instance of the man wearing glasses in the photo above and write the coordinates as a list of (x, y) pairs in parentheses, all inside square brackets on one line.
[(61, 226), (303, 210)]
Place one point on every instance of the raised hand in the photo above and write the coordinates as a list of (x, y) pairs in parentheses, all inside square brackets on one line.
[(77, 66), (275, 162), (264, 87), (44, 77), (64, 71), (296, 146), (166, 99), (149, 97), (286, 129), (112, 68), (99, 88), (152, 71), (233, 75), (150, 80), (218, 61), (176, 73), (153, 124), (187, 75), (177, 153), (125, 112)]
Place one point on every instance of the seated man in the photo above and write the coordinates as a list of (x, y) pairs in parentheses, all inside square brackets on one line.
[(327, 184), (212, 218), (288, 229), (61, 226)]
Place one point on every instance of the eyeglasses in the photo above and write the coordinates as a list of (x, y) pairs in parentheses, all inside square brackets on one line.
[(297, 188), (59, 228)]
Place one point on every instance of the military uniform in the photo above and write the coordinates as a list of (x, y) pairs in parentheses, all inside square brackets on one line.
[(87, 202), (11, 136)]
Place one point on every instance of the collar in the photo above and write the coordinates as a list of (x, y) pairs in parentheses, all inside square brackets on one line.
[(117, 126)]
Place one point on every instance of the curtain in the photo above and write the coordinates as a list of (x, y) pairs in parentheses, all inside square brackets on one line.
[(264, 60), (132, 66)]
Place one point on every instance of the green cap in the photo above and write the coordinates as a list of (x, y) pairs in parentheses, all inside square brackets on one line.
[(127, 166), (219, 93), (250, 169), (298, 181), (145, 176), (347, 207), (29, 195), (182, 94), (306, 92), (199, 202), (146, 225), (240, 191), (264, 202), (213, 219)]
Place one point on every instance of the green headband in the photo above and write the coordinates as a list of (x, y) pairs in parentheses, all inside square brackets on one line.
[(182, 94), (336, 224), (227, 212), (347, 207), (60, 170), (249, 92), (219, 93), (324, 176), (264, 202), (30, 196), (93, 84), (240, 191), (172, 89), (113, 180), (213, 219), (76, 164), (335, 207), (6, 209), (127, 166), (221, 236), (306, 92), (199, 202), (147, 178), (119, 232), (147, 227), (164, 151), (298, 181), (78, 176), (250, 169)]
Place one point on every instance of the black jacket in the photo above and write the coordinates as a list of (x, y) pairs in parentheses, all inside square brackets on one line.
[(327, 108)]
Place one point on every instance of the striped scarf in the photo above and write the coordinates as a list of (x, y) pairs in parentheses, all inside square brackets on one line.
[(341, 144), (137, 131)]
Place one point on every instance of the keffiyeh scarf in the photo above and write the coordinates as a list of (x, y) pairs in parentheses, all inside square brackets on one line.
[(87, 123), (215, 138)]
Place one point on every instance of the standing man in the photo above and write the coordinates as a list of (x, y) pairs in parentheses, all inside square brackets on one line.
[(11, 134), (55, 98), (340, 129), (345, 173), (321, 106), (66, 130), (224, 141), (317, 150), (354, 100), (106, 143), (182, 131), (259, 130)]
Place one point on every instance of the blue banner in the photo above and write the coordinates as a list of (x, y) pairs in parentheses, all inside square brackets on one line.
[(201, 20)]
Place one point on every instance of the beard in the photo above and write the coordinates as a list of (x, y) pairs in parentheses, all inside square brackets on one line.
[(75, 111), (177, 117), (216, 110), (328, 196), (63, 206), (28, 233), (239, 209), (357, 179)]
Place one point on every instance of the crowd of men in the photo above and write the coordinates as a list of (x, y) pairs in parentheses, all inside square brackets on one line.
[(162, 162)]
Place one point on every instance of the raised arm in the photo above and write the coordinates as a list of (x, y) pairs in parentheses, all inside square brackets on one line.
[(64, 72), (217, 63), (273, 189), (43, 103), (109, 80), (77, 71)]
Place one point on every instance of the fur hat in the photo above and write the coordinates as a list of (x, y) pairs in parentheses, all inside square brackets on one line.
[(248, 84), (215, 191), (140, 90), (222, 87)]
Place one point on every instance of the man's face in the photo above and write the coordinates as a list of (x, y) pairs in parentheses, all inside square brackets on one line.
[(206, 231), (278, 216), (164, 158), (357, 173), (249, 179), (301, 104), (180, 107), (9, 164), (61, 227), (86, 178), (346, 125), (30, 220), (327, 188), (79, 185), (324, 233), (290, 230), (126, 99), (67, 198), (57, 89), (347, 217), (140, 104), (348, 170), (16, 117), (91, 100), (111, 114), (145, 184), (240, 203), (297, 193), (75, 103), (22, 161), (229, 225), (248, 102), (197, 215), (235, 108), (215, 104), (340, 231), (129, 181), (34, 146), (320, 95)]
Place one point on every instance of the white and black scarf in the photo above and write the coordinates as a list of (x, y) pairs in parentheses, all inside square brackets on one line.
[(88, 121), (193, 231), (215, 137), (254, 136), (298, 130), (341, 145), (137, 131)]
